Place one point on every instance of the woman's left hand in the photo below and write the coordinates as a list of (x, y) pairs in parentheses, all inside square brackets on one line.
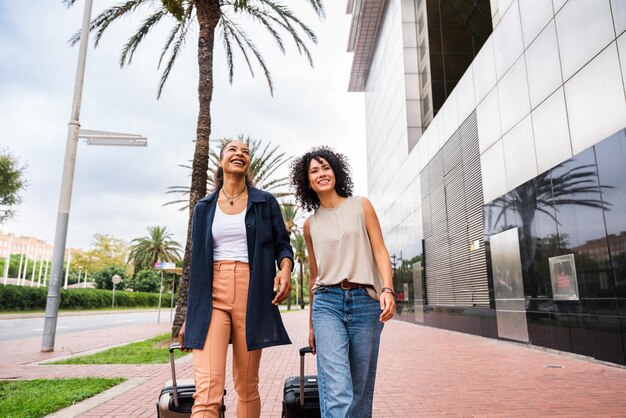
[(388, 306), (282, 281)]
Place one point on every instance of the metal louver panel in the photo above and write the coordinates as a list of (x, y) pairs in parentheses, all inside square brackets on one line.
[(452, 198)]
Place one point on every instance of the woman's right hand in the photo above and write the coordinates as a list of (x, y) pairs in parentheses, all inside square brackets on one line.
[(181, 337), (312, 339)]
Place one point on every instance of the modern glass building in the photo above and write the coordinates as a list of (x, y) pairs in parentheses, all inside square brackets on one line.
[(496, 150)]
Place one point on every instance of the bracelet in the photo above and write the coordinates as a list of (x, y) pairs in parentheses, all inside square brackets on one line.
[(388, 290)]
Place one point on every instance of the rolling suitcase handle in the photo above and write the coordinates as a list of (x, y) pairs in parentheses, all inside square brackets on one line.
[(175, 346), (303, 351)]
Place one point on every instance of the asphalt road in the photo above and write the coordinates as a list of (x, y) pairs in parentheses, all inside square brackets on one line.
[(13, 329)]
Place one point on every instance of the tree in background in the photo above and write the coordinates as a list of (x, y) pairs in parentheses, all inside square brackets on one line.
[(211, 16), (300, 255), (14, 265), (157, 246), (105, 251), (291, 216), (103, 278), (12, 182), (145, 281)]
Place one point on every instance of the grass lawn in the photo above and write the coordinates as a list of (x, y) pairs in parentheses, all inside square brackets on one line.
[(152, 351), (40, 397)]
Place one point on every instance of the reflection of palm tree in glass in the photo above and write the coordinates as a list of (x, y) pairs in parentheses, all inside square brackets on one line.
[(544, 194), (404, 274)]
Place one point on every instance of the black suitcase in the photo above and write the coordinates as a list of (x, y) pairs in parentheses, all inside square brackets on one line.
[(301, 398), (176, 397)]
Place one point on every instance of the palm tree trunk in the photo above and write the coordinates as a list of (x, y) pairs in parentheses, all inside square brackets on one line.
[(208, 13)]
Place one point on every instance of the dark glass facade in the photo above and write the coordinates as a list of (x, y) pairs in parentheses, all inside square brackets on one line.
[(457, 29), (575, 208)]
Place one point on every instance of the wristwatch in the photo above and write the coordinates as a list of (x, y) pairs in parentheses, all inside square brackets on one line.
[(389, 290)]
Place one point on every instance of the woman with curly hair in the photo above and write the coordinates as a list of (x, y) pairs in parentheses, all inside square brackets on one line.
[(351, 282)]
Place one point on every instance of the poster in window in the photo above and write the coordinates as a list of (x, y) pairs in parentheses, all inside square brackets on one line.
[(563, 275)]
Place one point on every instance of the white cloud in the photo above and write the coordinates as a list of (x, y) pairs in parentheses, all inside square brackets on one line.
[(120, 191)]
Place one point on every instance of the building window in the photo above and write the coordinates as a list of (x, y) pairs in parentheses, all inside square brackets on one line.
[(456, 30)]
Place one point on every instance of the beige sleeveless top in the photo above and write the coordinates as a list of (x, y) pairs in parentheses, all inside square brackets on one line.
[(342, 246)]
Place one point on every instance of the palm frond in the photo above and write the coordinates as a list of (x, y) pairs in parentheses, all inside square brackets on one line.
[(288, 18), (228, 32), (318, 6), (265, 19), (182, 35), (244, 43), (131, 46), (229, 56), (101, 22)]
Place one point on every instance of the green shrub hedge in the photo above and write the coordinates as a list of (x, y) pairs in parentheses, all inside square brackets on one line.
[(19, 298)]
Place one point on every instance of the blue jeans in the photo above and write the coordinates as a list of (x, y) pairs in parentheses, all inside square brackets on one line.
[(347, 335)]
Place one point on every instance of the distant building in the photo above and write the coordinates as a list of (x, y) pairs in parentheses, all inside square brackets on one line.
[(32, 251)]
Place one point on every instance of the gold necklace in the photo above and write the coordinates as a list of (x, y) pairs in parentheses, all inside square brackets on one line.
[(231, 200)]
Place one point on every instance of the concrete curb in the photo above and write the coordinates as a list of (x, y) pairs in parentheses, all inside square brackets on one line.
[(97, 400), (74, 313)]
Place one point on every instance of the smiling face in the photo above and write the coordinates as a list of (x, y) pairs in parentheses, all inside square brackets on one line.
[(235, 158), (321, 176)]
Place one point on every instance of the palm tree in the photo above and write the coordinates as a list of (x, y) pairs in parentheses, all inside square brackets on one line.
[(265, 160), (157, 246), (291, 216), (211, 16), (299, 250)]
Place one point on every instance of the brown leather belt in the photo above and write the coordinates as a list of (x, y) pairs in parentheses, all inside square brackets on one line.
[(346, 285)]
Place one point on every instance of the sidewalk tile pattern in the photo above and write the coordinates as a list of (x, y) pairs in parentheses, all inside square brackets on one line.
[(422, 372)]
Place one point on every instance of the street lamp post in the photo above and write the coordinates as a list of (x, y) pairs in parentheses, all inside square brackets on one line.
[(73, 135), (60, 236)]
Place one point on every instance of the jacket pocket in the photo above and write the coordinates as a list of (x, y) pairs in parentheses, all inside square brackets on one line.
[(264, 233)]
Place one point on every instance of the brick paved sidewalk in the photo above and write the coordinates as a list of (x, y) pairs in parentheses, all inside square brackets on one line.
[(422, 372)]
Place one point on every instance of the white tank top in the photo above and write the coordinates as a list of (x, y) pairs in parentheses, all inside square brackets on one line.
[(229, 236)]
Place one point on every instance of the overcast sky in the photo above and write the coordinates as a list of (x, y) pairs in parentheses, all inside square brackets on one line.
[(119, 190)]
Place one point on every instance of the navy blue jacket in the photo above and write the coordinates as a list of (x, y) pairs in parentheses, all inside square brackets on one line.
[(268, 244)]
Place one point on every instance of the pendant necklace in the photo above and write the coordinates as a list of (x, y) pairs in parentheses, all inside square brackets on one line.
[(231, 200)]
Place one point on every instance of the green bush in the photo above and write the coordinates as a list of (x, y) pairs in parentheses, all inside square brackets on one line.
[(146, 281), (18, 298), (103, 278)]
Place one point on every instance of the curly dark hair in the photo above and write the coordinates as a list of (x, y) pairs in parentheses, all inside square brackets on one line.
[(300, 176)]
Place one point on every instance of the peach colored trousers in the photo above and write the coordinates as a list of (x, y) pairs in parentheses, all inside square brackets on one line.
[(228, 320)]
